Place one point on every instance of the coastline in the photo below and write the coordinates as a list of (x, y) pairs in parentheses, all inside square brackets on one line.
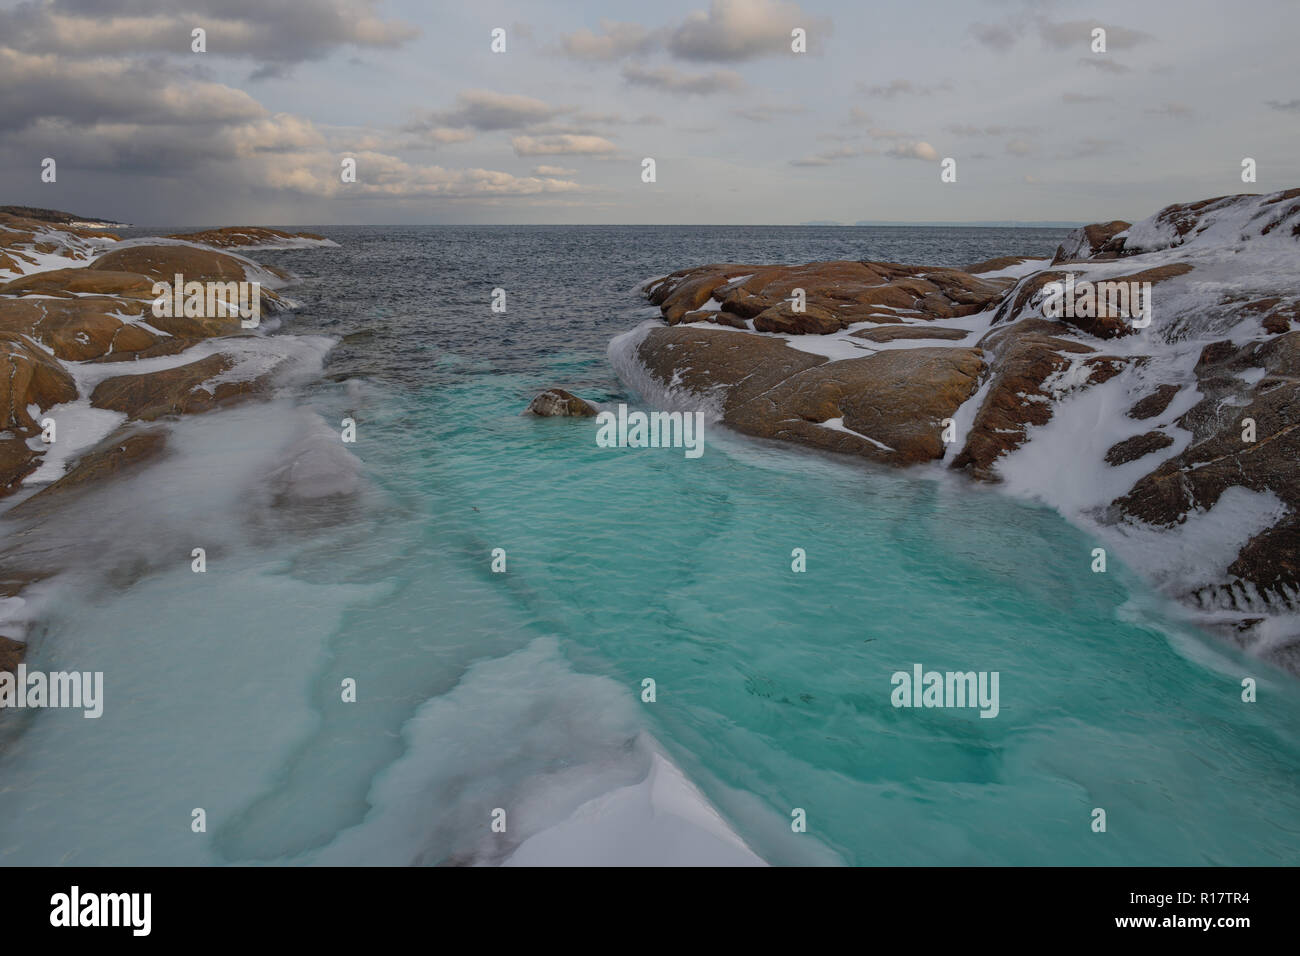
[(1174, 443), (93, 371)]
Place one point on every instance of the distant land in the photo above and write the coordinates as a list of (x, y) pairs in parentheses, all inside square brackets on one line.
[(57, 217), (990, 224)]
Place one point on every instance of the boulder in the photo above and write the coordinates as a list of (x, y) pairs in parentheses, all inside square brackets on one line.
[(174, 391), (557, 403)]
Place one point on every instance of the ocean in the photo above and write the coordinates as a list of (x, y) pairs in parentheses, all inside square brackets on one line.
[(520, 697)]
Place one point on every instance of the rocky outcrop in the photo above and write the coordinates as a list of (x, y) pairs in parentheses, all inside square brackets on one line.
[(78, 296), (184, 389), (1173, 416), (233, 237), (29, 379), (834, 296), (888, 406), (557, 403)]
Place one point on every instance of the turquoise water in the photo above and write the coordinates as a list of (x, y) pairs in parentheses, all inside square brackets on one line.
[(522, 689)]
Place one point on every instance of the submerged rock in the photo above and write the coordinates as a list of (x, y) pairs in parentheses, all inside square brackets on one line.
[(557, 403)]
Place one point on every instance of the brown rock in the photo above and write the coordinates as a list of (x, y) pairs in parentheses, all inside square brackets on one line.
[(1131, 449), (85, 281), (1152, 405), (163, 262), (894, 332), (232, 237), (11, 654), (896, 399), (813, 320), (77, 329), (1022, 357), (1091, 242), (174, 391), (892, 402), (557, 403)]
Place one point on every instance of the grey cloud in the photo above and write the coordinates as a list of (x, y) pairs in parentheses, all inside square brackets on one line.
[(1078, 33), (272, 31), (766, 113), (614, 41), (562, 144), (734, 30), (901, 87), (487, 110), (1103, 62), (674, 81)]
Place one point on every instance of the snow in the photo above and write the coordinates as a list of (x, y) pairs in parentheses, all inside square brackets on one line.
[(662, 821)]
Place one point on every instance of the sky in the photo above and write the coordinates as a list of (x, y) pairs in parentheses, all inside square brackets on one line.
[(742, 129)]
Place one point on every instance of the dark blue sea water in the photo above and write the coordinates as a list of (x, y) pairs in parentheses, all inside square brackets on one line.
[(522, 690)]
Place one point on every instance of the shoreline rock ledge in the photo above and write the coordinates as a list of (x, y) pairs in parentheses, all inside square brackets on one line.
[(81, 348), (1175, 440)]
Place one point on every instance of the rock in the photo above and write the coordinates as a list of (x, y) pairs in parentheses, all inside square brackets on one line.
[(1139, 446), (85, 281), (80, 329), (162, 263), (1000, 263), (28, 377), (1218, 459), (11, 654), (1092, 242), (232, 237), (892, 403), (557, 403), (1152, 405), (1022, 357), (892, 333), (120, 453), (813, 320), (174, 391), (849, 291)]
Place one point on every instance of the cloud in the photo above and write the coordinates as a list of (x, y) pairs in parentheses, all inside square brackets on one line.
[(766, 113), (1171, 109), (615, 41), (996, 36), (181, 130), (1062, 36), (902, 87), (486, 111), (1290, 106), (1091, 146), (1083, 98), (733, 30), (562, 144), (833, 155), (912, 151), (969, 129), (1103, 62), (275, 32), (1019, 147), (673, 81), (45, 86), (553, 171)]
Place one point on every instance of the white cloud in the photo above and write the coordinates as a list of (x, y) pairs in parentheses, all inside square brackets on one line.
[(562, 144), (674, 81)]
